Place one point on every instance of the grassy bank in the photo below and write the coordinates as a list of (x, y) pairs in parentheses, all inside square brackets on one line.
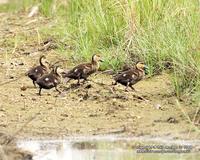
[(163, 33)]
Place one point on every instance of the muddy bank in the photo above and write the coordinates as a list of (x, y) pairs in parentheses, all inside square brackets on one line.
[(10, 151), (91, 109)]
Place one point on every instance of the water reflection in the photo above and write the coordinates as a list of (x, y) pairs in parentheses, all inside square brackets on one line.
[(94, 149)]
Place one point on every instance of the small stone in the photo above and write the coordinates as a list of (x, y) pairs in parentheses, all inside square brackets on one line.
[(138, 117), (33, 99), (2, 115), (64, 115), (157, 106), (62, 119), (11, 77), (23, 109), (26, 53), (114, 100), (88, 86), (3, 109), (85, 97), (23, 88), (21, 64), (92, 115), (3, 125)]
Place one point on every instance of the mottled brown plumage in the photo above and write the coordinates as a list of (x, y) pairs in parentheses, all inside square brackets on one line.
[(50, 80), (131, 76), (36, 72), (83, 71)]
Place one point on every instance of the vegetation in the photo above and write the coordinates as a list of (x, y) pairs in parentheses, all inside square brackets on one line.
[(163, 33)]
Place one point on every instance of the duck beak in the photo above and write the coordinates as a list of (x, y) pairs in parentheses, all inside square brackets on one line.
[(101, 60), (47, 62), (146, 69)]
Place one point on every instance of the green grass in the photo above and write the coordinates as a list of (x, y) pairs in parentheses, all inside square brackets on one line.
[(163, 33)]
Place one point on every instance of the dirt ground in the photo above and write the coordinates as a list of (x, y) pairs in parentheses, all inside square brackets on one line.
[(91, 109)]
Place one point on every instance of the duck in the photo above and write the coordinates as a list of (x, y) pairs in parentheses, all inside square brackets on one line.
[(36, 72), (131, 76), (50, 80), (84, 70)]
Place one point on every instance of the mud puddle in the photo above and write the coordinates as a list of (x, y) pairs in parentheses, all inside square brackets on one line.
[(110, 147)]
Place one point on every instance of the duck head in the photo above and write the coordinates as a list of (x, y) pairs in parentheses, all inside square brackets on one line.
[(141, 66), (96, 58), (95, 61), (58, 71), (43, 61)]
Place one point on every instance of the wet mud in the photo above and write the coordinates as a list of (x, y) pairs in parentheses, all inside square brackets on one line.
[(89, 109)]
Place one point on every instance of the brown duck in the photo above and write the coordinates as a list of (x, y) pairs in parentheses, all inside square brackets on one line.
[(83, 71), (36, 72), (131, 76), (50, 80)]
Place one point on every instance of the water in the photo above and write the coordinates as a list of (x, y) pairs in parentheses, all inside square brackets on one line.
[(107, 148)]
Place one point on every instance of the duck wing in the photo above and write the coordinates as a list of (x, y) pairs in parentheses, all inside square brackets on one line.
[(126, 76), (79, 70), (36, 72), (46, 81), (88, 69)]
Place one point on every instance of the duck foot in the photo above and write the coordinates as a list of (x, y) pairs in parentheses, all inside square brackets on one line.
[(39, 93), (126, 89), (58, 90), (114, 83), (133, 89), (84, 81), (34, 84)]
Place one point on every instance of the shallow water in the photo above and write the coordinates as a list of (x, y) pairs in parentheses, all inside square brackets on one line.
[(106, 148)]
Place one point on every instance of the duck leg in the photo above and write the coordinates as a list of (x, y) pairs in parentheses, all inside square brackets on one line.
[(34, 84), (84, 80), (127, 85), (40, 91), (132, 87), (78, 83), (112, 89), (57, 89)]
